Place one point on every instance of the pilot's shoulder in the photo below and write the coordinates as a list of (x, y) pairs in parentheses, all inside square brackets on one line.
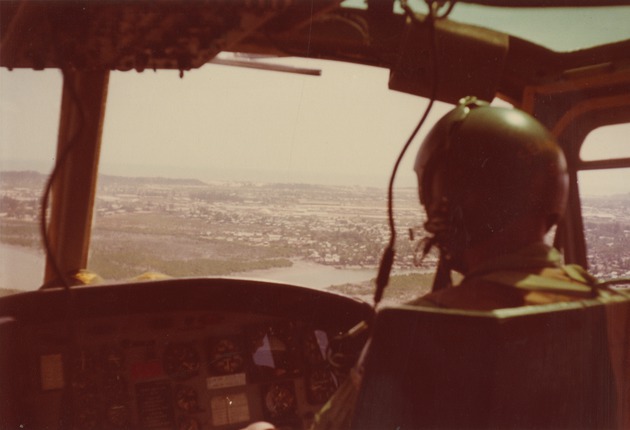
[(483, 295), (473, 295)]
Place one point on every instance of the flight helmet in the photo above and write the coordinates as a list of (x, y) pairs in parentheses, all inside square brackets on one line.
[(481, 167)]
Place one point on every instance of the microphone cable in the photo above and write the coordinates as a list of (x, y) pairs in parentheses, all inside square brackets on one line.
[(387, 259)]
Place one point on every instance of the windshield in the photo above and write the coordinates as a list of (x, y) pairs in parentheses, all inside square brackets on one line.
[(265, 174), (605, 199), (232, 171), (560, 29), (29, 120)]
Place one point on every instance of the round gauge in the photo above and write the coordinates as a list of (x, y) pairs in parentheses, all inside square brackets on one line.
[(226, 357), (118, 415), (321, 384), (186, 399), (280, 400), (181, 360)]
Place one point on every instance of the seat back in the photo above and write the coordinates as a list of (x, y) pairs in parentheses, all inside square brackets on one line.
[(535, 367)]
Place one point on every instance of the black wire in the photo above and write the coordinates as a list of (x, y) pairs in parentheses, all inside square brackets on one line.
[(387, 259), (50, 255), (68, 395), (390, 190), (59, 163)]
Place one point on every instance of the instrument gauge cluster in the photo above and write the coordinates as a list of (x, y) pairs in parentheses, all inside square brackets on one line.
[(320, 385), (226, 356), (189, 370), (192, 353), (181, 360), (280, 403)]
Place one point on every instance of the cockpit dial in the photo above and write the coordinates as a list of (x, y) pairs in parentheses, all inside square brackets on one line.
[(186, 399), (181, 361), (320, 385), (280, 401), (226, 356)]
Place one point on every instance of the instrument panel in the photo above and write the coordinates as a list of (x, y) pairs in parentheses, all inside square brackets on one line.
[(185, 371), (178, 368)]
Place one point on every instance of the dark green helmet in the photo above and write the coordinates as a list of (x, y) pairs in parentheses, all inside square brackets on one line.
[(481, 167)]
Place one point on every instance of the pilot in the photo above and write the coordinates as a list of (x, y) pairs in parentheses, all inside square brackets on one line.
[(493, 182)]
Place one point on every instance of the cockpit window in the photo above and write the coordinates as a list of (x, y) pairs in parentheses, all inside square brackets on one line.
[(29, 119), (258, 173), (606, 222), (604, 143), (605, 198), (556, 28)]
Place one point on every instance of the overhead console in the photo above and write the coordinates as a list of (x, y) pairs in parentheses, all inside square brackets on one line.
[(480, 55), (186, 354)]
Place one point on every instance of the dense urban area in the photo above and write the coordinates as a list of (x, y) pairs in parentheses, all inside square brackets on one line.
[(191, 228)]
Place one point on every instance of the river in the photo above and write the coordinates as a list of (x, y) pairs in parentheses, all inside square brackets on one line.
[(311, 275), (23, 268)]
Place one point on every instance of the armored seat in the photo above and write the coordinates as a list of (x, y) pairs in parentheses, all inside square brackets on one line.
[(553, 366)]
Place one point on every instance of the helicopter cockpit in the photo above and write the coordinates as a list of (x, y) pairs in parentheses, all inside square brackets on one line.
[(196, 196)]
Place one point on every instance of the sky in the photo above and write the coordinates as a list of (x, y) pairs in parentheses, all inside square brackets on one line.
[(341, 127), (223, 123)]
